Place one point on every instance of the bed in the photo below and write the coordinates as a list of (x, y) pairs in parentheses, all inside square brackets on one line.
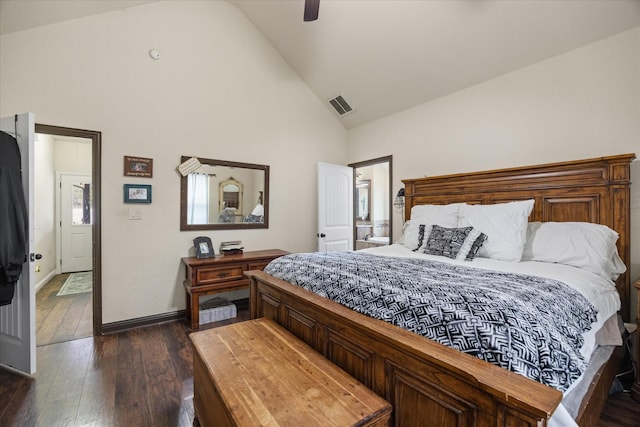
[(428, 383)]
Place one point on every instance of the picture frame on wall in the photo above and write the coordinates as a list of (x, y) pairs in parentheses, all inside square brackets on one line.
[(137, 193), (141, 167)]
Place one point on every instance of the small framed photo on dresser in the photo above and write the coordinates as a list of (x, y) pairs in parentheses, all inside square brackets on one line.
[(204, 247)]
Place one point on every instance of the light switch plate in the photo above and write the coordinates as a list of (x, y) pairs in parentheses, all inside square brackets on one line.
[(134, 214)]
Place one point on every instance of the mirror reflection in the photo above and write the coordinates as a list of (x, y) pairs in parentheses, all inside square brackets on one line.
[(363, 199), (223, 194), (372, 203)]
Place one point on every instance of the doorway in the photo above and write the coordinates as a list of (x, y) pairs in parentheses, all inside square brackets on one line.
[(87, 197), (372, 207)]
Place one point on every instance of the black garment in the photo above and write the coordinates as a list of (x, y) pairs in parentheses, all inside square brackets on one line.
[(13, 217)]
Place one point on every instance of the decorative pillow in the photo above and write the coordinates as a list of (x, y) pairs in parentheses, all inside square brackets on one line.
[(505, 225), (456, 243), (417, 229), (443, 215), (416, 235), (580, 244)]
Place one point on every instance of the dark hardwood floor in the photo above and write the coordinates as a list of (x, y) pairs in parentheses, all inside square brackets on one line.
[(62, 318), (139, 378), (620, 411)]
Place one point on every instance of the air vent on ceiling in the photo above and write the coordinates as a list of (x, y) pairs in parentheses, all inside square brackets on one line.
[(341, 106)]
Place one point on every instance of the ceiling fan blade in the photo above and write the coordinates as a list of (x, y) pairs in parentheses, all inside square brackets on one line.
[(311, 8)]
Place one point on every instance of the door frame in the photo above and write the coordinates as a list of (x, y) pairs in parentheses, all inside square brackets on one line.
[(371, 162), (96, 172)]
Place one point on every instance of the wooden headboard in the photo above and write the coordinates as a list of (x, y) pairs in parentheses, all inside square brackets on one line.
[(591, 190)]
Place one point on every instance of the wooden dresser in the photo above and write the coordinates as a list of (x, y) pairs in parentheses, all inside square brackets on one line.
[(220, 274), (256, 373)]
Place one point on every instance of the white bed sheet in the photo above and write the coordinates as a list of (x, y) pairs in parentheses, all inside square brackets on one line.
[(598, 290)]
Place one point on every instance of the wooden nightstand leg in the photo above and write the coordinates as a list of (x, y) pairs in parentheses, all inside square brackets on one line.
[(187, 299), (635, 389), (195, 311)]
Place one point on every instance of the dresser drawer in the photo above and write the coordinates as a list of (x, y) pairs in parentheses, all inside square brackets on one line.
[(258, 265), (210, 275)]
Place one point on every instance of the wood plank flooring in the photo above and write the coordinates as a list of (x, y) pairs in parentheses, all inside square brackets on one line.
[(139, 378), (62, 318)]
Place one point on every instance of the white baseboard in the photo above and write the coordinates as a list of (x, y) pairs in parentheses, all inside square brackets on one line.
[(45, 280)]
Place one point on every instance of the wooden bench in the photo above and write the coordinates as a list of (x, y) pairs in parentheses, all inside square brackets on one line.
[(255, 373)]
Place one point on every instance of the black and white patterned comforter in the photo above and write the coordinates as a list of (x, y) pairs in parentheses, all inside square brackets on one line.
[(530, 325)]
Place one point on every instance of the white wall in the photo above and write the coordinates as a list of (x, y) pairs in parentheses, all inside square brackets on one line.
[(73, 156), (44, 195), (582, 104), (380, 199), (219, 90)]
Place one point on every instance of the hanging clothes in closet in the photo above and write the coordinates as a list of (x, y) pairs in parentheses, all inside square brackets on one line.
[(13, 218)]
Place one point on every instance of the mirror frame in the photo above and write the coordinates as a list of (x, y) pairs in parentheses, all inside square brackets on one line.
[(223, 226)]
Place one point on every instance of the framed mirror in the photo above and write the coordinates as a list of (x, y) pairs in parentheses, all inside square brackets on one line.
[(224, 195), (363, 200)]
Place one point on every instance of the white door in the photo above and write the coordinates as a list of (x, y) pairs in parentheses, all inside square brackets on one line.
[(75, 222), (18, 319), (335, 207)]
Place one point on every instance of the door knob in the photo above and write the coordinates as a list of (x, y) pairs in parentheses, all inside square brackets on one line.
[(34, 257), (321, 235)]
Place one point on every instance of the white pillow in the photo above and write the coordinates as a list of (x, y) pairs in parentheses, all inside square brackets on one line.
[(580, 244), (416, 235), (505, 225), (442, 215), (404, 230)]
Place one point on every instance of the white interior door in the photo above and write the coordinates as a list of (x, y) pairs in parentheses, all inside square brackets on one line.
[(75, 222), (335, 207), (18, 319)]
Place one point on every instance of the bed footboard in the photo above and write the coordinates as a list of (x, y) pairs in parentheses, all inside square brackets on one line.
[(425, 382)]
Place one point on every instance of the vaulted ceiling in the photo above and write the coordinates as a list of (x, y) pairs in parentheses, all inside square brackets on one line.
[(385, 56)]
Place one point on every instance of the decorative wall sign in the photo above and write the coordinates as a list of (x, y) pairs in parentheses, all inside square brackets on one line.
[(138, 166), (135, 193)]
